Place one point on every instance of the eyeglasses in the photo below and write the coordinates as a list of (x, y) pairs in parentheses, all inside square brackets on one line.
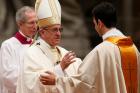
[(31, 22), (54, 30)]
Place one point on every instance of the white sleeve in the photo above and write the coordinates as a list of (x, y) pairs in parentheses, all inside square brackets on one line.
[(8, 68), (58, 70)]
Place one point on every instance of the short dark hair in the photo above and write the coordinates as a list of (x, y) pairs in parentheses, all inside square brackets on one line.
[(106, 12)]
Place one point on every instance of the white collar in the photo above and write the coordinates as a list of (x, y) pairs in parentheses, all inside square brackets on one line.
[(112, 32), (44, 43)]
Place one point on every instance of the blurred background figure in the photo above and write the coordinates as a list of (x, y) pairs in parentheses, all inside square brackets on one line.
[(12, 50), (7, 16), (77, 21)]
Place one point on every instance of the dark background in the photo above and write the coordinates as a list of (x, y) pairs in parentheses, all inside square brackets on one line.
[(79, 34)]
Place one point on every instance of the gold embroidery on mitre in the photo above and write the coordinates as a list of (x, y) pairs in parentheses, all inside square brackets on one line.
[(48, 21)]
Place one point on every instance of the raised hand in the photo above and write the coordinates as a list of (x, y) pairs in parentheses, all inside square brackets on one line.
[(67, 60)]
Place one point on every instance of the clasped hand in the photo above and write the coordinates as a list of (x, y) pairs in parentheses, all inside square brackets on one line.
[(48, 78)]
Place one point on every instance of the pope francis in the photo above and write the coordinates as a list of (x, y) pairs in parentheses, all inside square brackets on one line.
[(45, 54)]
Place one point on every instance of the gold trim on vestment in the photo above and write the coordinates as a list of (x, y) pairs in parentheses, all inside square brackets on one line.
[(128, 61)]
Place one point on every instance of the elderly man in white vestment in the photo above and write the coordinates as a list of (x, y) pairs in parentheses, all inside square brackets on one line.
[(45, 54), (111, 67), (12, 50)]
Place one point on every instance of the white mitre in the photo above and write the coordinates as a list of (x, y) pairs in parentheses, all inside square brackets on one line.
[(48, 12)]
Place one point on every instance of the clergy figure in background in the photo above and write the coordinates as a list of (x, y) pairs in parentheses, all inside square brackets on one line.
[(113, 66), (12, 49), (45, 54)]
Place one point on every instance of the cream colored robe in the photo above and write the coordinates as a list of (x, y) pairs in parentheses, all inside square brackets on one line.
[(39, 58), (11, 56), (100, 71)]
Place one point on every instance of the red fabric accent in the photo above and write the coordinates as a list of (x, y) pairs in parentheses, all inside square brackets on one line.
[(22, 39)]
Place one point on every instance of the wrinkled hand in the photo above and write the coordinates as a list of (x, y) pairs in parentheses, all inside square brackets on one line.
[(47, 78), (67, 60)]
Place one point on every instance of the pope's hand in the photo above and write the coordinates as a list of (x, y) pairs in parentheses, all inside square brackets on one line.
[(67, 60), (47, 78)]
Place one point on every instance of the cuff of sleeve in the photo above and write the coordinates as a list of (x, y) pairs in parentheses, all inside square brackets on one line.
[(58, 70)]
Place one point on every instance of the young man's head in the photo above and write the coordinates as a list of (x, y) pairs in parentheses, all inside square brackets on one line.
[(26, 20), (104, 15)]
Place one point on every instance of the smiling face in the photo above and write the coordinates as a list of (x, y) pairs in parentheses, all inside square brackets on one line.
[(52, 34)]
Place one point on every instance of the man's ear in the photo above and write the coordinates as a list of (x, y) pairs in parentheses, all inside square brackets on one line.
[(19, 23), (100, 23), (41, 32)]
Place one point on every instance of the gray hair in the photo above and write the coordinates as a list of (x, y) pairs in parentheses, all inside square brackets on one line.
[(20, 14)]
